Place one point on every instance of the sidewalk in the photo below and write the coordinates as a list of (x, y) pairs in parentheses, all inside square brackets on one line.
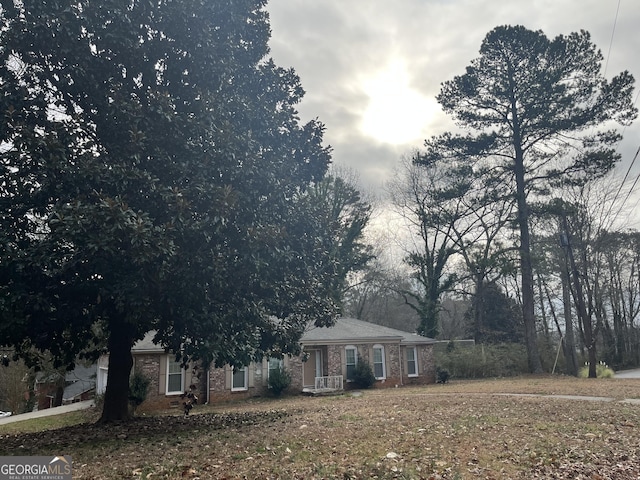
[(48, 412)]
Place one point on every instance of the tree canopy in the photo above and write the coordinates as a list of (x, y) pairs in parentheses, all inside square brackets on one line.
[(535, 113), (152, 168)]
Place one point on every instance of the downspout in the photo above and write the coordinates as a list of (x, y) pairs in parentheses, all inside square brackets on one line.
[(208, 384), (400, 363)]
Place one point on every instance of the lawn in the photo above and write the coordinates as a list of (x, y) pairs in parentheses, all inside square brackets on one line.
[(455, 431)]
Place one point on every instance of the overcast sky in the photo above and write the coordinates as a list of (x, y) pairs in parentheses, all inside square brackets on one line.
[(371, 68)]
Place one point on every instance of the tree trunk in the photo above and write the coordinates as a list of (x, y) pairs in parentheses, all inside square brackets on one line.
[(570, 347), (478, 310), (543, 311), (116, 397), (585, 320), (526, 270)]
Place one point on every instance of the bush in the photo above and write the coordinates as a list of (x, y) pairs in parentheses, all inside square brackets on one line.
[(138, 389), (482, 361), (602, 371), (442, 375), (279, 380), (363, 376)]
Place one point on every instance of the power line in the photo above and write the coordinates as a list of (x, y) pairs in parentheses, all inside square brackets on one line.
[(626, 175), (613, 31), (615, 197), (634, 182)]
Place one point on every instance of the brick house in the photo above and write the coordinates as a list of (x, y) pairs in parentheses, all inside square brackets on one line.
[(55, 389), (329, 357), (397, 358)]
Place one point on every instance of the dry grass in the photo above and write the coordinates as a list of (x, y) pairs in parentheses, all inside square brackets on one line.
[(455, 431)]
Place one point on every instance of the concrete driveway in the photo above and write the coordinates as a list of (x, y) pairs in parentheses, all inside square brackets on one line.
[(628, 373), (48, 411)]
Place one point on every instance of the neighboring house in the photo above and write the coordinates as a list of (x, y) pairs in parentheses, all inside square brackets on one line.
[(53, 390), (329, 357), (80, 384)]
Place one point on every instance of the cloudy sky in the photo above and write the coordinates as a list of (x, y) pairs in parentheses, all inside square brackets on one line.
[(372, 68)]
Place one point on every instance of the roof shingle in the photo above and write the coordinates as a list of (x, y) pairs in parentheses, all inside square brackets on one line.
[(349, 330)]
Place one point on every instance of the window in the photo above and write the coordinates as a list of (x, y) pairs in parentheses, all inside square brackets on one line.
[(378, 362), (351, 360), (412, 363), (240, 379), (175, 376), (275, 364)]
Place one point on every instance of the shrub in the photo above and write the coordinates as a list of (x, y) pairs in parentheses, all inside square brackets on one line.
[(363, 376), (442, 375), (602, 371), (482, 361), (138, 389), (279, 380)]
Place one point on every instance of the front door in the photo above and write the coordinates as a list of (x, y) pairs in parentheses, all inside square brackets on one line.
[(312, 368)]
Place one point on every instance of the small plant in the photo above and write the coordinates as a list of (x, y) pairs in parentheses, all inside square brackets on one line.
[(442, 375), (363, 376), (190, 398), (602, 371), (279, 380), (138, 389)]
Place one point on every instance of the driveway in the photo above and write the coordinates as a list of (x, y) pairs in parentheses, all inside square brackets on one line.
[(628, 373), (48, 411)]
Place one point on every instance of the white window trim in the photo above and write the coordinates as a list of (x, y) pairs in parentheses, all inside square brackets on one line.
[(355, 356), (246, 380), (415, 361), (171, 358), (384, 363)]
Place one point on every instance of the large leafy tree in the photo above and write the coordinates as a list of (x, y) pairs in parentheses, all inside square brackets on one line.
[(501, 316), (333, 223), (151, 166), (535, 112)]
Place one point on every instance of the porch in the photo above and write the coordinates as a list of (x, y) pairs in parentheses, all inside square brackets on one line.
[(325, 385)]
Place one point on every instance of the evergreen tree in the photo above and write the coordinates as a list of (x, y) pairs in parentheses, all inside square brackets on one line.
[(152, 172), (536, 112)]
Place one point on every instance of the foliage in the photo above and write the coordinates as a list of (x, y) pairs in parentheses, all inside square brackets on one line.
[(442, 375), (333, 217), (534, 113), (363, 376), (484, 361), (501, 316), (155, 176), (602, 371), (16, 387), (138, 389), (190, 396), (279, 380)]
